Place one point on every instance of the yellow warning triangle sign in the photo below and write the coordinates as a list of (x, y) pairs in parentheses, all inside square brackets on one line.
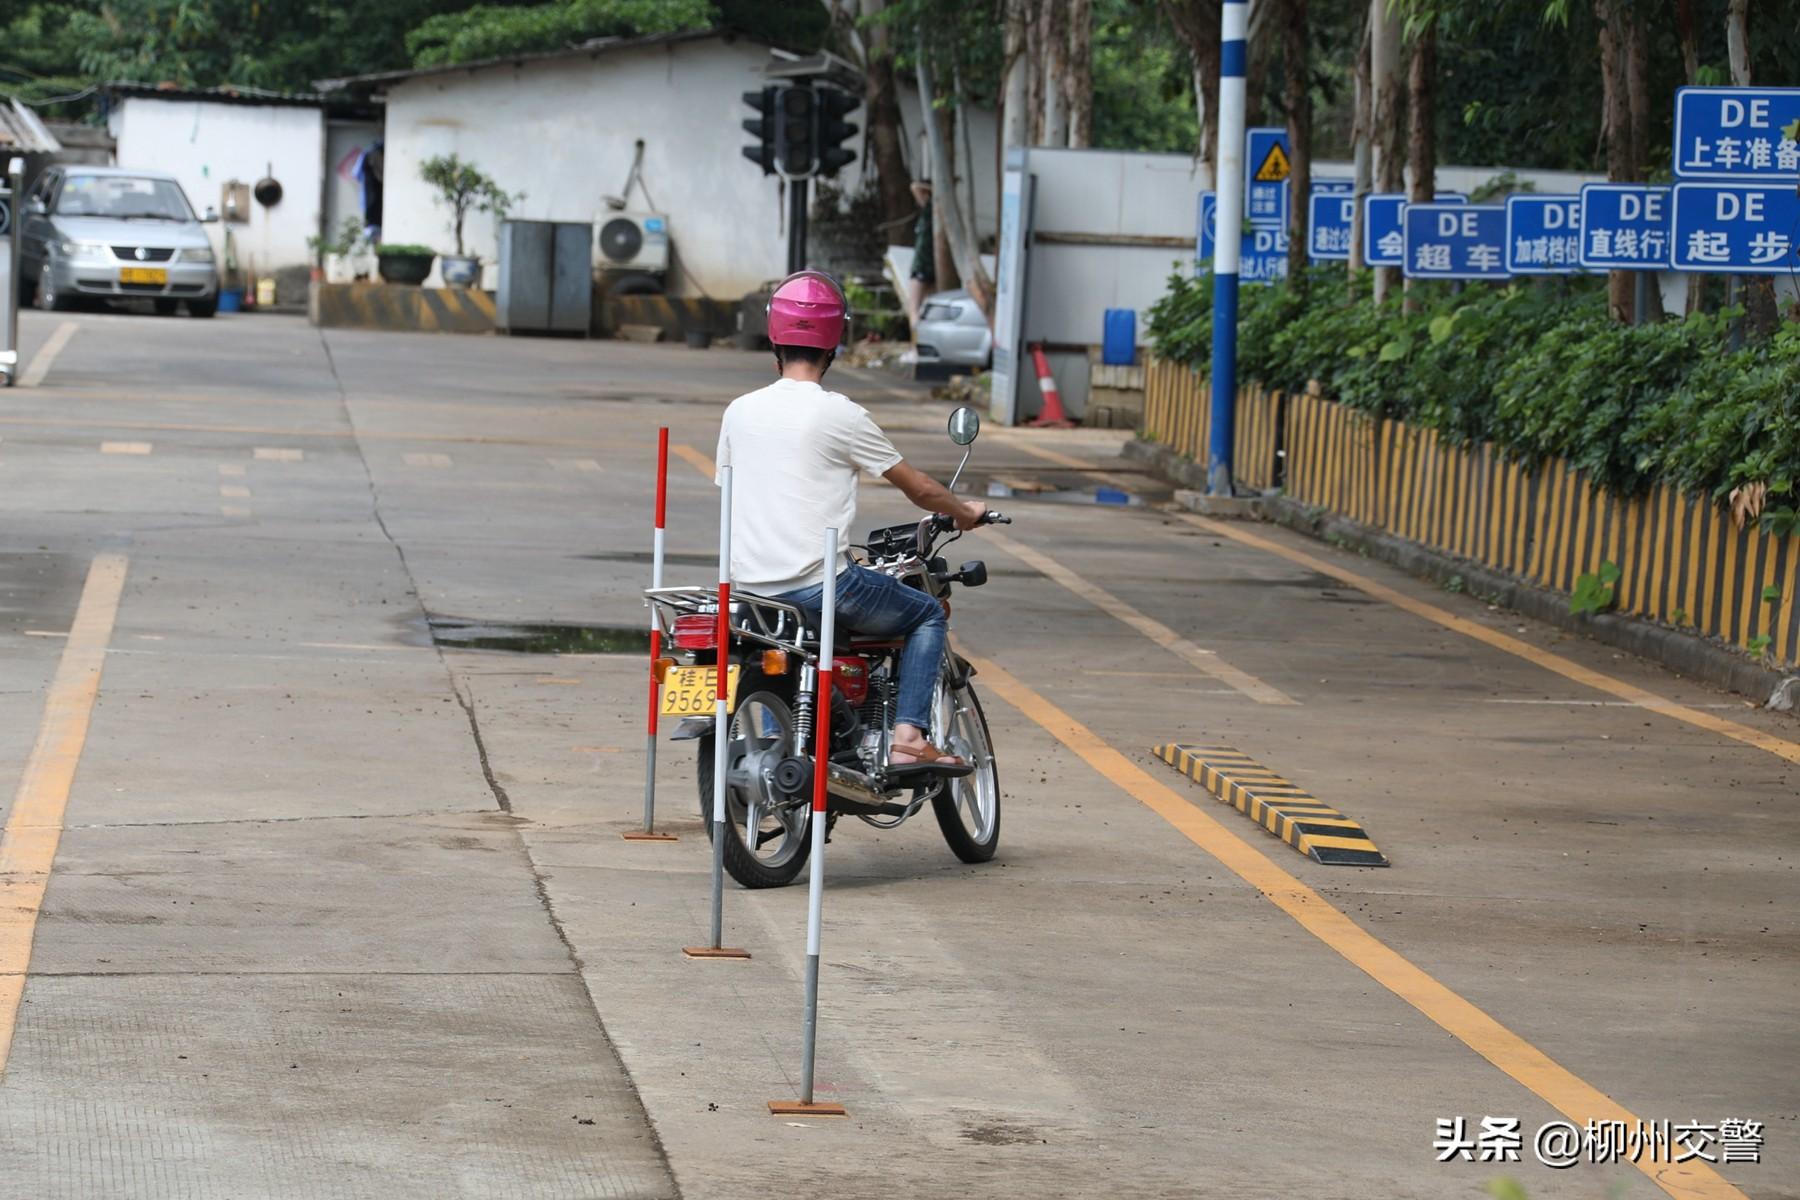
[(1274, 168)]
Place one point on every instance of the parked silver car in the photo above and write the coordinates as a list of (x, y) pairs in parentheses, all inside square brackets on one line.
[(952, 332), (114, 233)]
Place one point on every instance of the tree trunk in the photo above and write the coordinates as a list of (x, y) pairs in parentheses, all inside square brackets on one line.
[(1637, 102), (1256, 64), (885, 137), (1015, 127), (1421, 149), (1034, 72), (1056, 50), (947, 208), (1615, 128), (1387, 132), (1079, 76), (943, 258), (1359, 137), (1297, 99), (1689, 36), (1737, 41), (1761, 314), (1196, 23)]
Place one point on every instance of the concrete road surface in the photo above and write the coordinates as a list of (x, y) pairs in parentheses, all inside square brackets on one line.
[(298, 898)]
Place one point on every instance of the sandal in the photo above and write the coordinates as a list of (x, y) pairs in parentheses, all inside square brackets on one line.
[(924, 754)]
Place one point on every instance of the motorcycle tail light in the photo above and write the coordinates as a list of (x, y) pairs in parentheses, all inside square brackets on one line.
[(850, 675), (697, 631)]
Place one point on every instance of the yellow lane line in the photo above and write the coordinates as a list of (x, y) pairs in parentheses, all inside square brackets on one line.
[(695, 459), (46, 355), (34, 827), (1024, 442), (1198, 657), (1556, 1085), (1568, 669)]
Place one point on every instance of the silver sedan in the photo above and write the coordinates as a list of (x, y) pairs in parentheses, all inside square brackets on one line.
[(115, 233), (952, 332)]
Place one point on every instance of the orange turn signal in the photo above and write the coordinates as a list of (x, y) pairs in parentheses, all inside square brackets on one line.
[(775, 662), (660, 668)]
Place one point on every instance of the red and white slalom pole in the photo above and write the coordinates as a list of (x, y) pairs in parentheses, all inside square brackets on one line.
[(656, 581), (815, 894), (721, 734), (1052, 416)]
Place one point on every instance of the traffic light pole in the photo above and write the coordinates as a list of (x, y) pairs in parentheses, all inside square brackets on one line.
[(797, 197)]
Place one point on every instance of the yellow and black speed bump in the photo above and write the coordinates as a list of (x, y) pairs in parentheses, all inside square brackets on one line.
[(1304, 822)]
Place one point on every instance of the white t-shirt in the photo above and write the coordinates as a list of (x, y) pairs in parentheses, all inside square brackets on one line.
[(794, 450)]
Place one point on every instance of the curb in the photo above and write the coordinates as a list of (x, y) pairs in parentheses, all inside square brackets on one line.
[(1698, 658)]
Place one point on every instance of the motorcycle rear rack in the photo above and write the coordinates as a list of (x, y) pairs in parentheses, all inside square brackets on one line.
[(774, 623)]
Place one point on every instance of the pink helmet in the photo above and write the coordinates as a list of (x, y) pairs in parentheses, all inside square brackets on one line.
[(807, 310)]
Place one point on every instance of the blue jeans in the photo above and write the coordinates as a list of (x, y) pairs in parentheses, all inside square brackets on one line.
[(877, 605)]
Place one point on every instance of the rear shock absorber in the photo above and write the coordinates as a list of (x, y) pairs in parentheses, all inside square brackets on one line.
[(803, 711)]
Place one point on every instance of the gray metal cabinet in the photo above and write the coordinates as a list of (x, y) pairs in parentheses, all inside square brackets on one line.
[(546, 276)]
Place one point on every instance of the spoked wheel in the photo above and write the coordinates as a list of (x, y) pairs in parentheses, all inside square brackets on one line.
[(762, 734), (968, 809)]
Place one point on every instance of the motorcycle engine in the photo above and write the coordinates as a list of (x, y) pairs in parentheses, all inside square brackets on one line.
[(876, 715)]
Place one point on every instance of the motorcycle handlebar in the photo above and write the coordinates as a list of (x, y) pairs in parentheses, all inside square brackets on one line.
[(944, 523)]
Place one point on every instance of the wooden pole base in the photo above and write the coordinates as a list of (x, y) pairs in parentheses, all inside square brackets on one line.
[(794, 1108), (638, 835), (714, 952)]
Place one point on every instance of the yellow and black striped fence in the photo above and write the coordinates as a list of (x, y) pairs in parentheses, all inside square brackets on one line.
[(402, 307), (1683, 559), (1177, 413)]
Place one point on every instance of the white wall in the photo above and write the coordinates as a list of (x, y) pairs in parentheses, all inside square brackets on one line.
[(205, 144), (562, 131)]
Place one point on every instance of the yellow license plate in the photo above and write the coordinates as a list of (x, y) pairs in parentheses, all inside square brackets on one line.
[(158, 275), (692, 691)]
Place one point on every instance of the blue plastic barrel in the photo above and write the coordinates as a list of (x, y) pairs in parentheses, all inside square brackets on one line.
[(230, 300), (1118, 339)]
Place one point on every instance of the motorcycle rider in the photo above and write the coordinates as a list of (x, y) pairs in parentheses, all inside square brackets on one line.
[(794, 449)]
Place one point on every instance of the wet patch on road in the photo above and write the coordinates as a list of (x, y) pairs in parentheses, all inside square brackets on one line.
[(462, 633)]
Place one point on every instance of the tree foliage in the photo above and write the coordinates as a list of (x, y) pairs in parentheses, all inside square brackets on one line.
[(1538, 371)]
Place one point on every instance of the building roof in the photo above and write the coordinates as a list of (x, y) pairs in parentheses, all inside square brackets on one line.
[(591, 49), (226, 94), (21, 132)]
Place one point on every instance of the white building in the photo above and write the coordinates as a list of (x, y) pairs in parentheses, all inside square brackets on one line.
[(210, 140), (564, 127)]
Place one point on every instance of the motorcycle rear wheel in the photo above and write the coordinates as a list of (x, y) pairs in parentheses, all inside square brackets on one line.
[(968, 809), (761, 733)]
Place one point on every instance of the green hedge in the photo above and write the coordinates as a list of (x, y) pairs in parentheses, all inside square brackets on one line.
[(1537, 371)]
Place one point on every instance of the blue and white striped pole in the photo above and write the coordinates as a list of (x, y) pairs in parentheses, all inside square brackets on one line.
[(1234, 24)]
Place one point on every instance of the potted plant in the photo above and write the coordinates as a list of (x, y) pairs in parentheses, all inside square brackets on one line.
[(465, 189), (334, 254), (402, 262)]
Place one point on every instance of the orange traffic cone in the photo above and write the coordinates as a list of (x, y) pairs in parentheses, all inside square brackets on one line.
[(1053, 416)]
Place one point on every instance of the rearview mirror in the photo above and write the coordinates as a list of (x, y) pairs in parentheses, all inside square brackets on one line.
[(965, 423)]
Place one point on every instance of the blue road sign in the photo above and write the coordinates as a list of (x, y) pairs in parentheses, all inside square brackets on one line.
[(1206, 229), (1383, 243), (1735, 133), (1328, 222), (1264, 257), (1454, 241), (1543, 234), (1624, 227), (1735, 228), (1267, 159)]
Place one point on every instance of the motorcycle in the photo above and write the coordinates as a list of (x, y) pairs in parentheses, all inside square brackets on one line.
[(773, 658)]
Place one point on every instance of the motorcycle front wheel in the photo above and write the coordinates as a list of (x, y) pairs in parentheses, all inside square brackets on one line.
[(968, 809), (761, 735)]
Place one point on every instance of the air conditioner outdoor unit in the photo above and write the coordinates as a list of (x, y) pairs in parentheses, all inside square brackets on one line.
[(633, 242)]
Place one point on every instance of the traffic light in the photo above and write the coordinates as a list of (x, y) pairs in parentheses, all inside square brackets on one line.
[(762, 127), (794, 114), (834, 131)]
